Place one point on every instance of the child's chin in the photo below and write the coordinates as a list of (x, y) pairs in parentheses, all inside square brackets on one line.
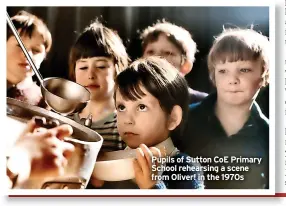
[(238, 102), (132, 145)]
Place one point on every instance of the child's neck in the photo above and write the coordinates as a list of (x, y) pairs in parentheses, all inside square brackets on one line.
[(98, 109), (26, 83), (232, 117)]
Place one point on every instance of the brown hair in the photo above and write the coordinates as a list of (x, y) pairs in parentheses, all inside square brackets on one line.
[(239, 45), (26, 24), (98, 40), (159, 78)]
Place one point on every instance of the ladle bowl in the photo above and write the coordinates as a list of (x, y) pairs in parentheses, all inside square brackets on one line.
[(64, 96)]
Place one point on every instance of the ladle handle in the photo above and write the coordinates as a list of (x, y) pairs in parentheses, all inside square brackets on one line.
[(17, 36)]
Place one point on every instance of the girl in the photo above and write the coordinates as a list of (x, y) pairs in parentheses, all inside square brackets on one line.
[(95, 60)]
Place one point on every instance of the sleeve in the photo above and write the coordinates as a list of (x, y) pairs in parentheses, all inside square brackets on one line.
[(159, 185), (188, 175)]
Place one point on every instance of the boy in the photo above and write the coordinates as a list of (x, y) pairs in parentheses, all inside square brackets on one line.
[(176, 45), (95, 60), (150, 102), (38, 41), (229, 123)]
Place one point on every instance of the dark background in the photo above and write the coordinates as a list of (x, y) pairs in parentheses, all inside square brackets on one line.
[(65, 23)]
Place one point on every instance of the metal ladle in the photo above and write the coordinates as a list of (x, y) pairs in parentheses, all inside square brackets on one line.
[(63, 96)]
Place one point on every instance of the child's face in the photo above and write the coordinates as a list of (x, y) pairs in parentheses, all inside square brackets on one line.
[(97, 75), (164, 48), (237, 82), (18, 67), (142, 121)]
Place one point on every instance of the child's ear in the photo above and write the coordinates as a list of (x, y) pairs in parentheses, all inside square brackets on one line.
[(262, 82), (186, 67), (175, 117)]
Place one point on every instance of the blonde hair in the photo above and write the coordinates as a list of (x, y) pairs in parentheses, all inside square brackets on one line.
[(240, 45), (27, 23), (177, 35)]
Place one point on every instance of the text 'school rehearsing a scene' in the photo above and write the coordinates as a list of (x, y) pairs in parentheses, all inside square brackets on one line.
[(95, 104)]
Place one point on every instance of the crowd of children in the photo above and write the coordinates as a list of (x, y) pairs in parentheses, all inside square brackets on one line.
[(148, 102)]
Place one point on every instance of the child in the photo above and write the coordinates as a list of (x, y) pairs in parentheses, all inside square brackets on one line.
[(176, 45), (150, 102), (229, 122), (95, 60), (37, 40)]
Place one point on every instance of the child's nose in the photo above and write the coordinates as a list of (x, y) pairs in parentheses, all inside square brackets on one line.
[(91, 73), (129, 119), (30, 52), (233, 79)]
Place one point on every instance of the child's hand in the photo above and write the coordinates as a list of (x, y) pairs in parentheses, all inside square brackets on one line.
[(96, 182), (143, 166), (41, 152)]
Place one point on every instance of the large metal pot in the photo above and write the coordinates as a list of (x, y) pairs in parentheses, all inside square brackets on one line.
[(87, 145)]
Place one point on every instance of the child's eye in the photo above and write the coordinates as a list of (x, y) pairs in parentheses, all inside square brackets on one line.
[(83, 68), (101, 67), (142, 107), (168, 53), (150, 52), (245, 70), (36, 51), (120, 108), (222, 71)]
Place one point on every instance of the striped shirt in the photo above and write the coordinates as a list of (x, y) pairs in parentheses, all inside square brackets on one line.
[(107, 128)]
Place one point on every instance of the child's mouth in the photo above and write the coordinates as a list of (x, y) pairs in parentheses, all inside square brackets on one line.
[(234, 91), (129, 134), (95, 86), (25, 66)]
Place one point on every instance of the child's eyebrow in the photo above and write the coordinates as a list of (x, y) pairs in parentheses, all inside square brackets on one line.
[(146, 101), (82, 60), (101, 59), (245, 63), (118, 102)]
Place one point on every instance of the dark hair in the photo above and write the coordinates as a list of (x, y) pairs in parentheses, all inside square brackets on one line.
[(240, 44), (26, 24), (98, 40), (160, 79), (179, 36)]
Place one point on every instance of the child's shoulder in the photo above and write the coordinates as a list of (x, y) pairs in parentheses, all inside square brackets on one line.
[(203, 108), (259, 118), (180, 155)]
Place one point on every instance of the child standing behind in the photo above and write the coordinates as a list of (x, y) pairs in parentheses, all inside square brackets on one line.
[(95, 60), (176, 45), (229, 122)]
